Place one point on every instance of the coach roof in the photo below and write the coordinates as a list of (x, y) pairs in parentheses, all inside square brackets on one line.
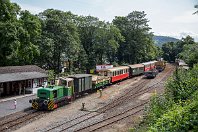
[(136, 65)]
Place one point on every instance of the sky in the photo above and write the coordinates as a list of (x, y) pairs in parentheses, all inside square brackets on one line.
[(166, 17)]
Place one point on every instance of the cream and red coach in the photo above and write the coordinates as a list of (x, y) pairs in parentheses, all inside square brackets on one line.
[(116, 73)]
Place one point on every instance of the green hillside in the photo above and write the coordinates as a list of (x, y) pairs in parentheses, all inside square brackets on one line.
[(160, 40)]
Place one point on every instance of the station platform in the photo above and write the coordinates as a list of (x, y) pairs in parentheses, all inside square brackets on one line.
[(7, 104)]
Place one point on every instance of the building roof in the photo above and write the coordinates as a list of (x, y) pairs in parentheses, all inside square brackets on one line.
[(18, 73), (9, 77), (17, 69)]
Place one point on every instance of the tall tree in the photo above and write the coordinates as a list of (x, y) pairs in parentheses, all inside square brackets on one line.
[(8, 30), (138, 45), (61, 34), (87, 27), (100, 40)]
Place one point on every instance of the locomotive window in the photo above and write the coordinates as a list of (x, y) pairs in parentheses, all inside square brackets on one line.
[(55, 93), (70, 83), (42, 93)]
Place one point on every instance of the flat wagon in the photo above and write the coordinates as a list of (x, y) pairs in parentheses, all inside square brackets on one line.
[(99, 81)]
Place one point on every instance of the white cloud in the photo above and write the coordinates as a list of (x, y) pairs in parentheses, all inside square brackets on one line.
[(32, 9), (186, 17)]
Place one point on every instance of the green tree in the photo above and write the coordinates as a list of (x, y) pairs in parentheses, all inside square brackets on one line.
[(8, 30), (61, 33), (138, 45), (19, 31)]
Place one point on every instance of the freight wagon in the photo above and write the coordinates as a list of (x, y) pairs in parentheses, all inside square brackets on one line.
[(82, 83)]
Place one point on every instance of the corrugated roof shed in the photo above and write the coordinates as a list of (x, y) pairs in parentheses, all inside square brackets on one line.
[(18, 73), (16, 69)]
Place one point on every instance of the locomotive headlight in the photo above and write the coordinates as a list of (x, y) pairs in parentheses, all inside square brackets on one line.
[(45, 102), (30, 101)]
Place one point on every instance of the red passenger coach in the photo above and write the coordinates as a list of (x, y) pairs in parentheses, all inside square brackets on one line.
[(148, 66), (116, 73), (153, 64)]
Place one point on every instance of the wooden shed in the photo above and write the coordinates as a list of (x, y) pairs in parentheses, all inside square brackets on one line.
[(17, 80)]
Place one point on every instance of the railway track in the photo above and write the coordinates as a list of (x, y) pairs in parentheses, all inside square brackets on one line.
[(14, 122), (115, 118), (140, 90), (90, 115)]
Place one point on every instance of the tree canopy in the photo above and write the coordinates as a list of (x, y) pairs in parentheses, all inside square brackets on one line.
[(54, 38)]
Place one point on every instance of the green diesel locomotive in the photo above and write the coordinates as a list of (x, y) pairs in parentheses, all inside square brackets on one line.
[(52, 97), (66, 90)]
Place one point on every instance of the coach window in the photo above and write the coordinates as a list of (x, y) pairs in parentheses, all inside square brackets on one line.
[(105, 73)]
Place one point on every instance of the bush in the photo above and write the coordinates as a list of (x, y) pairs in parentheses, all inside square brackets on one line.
[(181, 117), (177, 109)]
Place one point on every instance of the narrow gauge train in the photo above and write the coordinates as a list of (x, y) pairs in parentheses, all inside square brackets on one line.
[(68, 88)]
